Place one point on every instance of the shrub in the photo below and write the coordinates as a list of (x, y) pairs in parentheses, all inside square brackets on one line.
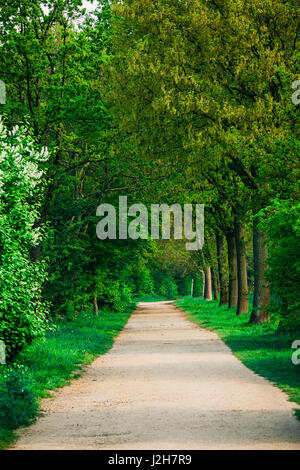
[(184, 286), (168, 289), (144, 282), (22, 310), (18, 403)]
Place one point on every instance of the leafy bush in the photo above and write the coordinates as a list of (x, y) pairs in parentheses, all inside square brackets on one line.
[(198, 287), (22, 310), (18, 403), (184, 286), (168, 289), (114, 295), (143, 281)]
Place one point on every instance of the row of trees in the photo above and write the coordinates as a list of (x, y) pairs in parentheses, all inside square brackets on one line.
[(206, 86), (162, 101), (53, 61)]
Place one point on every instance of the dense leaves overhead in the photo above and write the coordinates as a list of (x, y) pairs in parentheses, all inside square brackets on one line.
[(164, 102)]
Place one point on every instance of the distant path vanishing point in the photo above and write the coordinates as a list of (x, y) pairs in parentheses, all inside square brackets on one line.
[(165, 384)]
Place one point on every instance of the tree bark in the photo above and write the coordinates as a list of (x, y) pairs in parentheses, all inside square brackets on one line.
[(215, 283), (232, 264), (96, 308), (203, 283), (261, 294), (208, 284), (221, 268), (242, 303)]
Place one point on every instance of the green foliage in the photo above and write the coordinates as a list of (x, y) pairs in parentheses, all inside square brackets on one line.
[(162, 100), (63, 97), (117, 295), (143, 281), (168, 288), (18, 403), (198, 287), (205, 87), (22, 309), (281, 220), (59, 92), (184, 286)]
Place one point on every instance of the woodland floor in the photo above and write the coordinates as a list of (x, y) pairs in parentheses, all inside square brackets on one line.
[(165, 384)]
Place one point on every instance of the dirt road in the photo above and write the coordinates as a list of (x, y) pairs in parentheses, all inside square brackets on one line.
[(165, 384)]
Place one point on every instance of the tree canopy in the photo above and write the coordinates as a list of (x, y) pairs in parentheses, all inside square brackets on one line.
[(165, 102)]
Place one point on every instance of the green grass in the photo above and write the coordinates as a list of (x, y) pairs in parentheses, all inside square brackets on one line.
[(260, 347), (57, 358), (6, 438)]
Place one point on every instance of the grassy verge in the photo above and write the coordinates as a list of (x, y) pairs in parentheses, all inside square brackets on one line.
[(260, 347), (53, 361)]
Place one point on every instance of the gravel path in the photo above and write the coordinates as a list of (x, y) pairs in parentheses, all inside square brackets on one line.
[(165, 384)]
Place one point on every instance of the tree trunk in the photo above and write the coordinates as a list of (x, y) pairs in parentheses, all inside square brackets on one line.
[(261, 294), (242, 304), (208, 285), (232, 264), (96, 309), (203, 283), (192, 288), (221, 268), (215, 283)]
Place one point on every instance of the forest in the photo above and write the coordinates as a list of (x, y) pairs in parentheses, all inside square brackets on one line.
[(164, 102)]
